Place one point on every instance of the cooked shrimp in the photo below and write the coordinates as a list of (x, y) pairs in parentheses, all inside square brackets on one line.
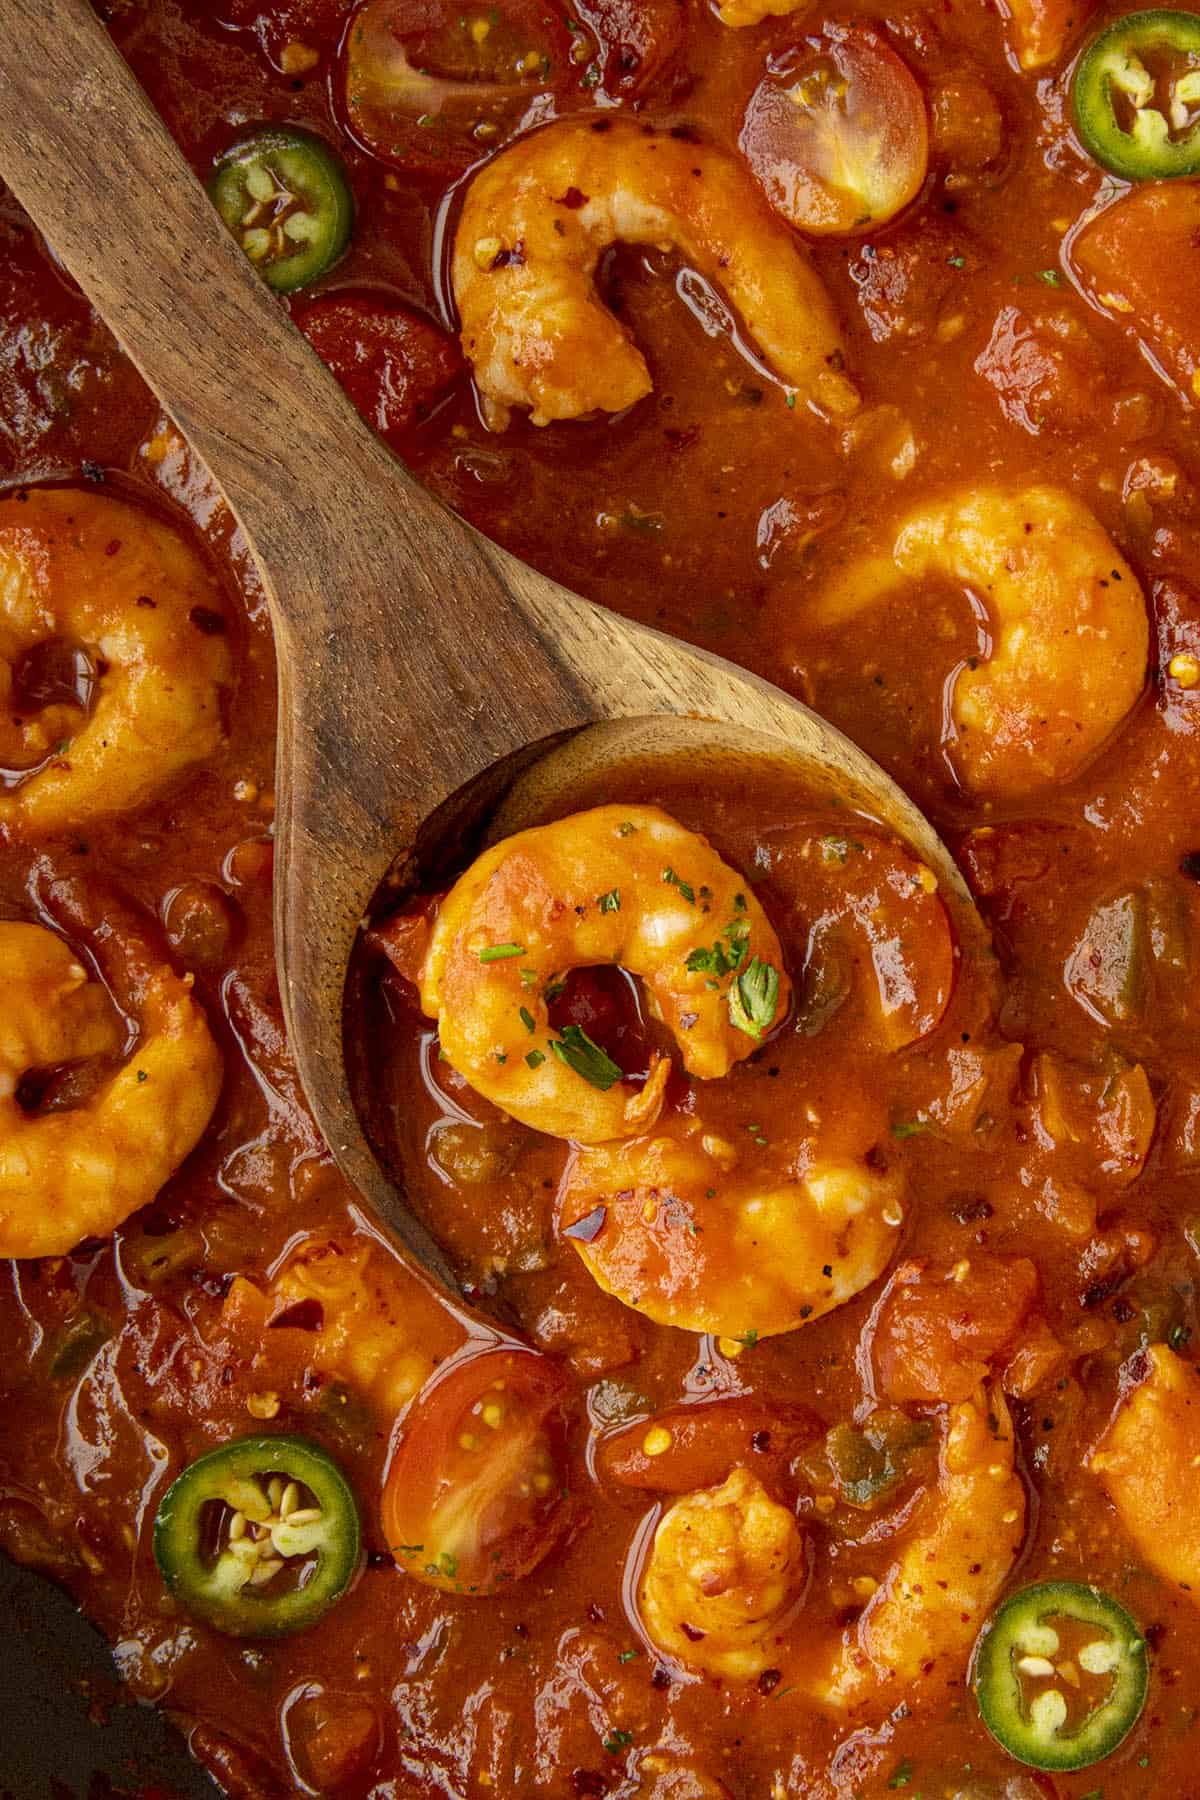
[(724, 1575), (1066, 618), (752, 12), (368, 1333), (1147, 1460), (730, 1562), (671, 1226), (616, 884), (87, 573), (539, 216), (923, 1618), (78, 1173)]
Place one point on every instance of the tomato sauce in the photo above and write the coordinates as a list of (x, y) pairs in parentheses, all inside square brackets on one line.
[(1042, 1109)]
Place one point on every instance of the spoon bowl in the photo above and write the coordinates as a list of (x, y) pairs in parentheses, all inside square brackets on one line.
[(423, 672)]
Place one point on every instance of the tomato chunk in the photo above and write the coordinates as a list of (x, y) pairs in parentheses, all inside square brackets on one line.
[(939, 1330), (837, 132), (1138, 262), (641, 42), (1041, 29), (475, 1494), (878, 931), (393, 364), (693, 1447)]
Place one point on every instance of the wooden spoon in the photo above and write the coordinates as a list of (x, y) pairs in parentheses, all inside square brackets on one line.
[(414, 656)]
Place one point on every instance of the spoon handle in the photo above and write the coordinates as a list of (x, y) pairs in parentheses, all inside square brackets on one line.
[(406, 664)]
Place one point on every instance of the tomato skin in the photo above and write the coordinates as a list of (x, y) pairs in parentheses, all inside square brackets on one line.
[(708, 1441), (475, 1493), (433, 86), (837, 132), (393, 364)]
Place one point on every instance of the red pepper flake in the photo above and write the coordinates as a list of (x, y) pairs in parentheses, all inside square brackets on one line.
[(690, 1633), (588, 1229), (574, 198), (111, 548)]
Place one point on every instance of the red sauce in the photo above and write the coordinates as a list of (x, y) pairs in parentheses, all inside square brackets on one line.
[(1066, 1181)]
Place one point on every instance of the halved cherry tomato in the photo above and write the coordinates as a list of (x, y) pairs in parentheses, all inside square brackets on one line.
[(837, 132), (433, 86), (475, 1495), (697, 1446), (393, 364)]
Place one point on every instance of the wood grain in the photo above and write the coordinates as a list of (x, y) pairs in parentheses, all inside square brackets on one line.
[(413, 655)]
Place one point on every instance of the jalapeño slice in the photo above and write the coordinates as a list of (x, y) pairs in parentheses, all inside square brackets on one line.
[(259, 1538), (1060, 1675), (1137, 96), (283, 194)]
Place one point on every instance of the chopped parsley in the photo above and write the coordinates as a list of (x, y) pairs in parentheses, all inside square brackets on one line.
[(754, 997), (906, 1128), (610, 902), (726, 958), (748, 1338), (903, 1774), (575, 1048), (626, 828), (501, 952), (672, 880), (616, 1741), (535, 1058), (528, 1020)]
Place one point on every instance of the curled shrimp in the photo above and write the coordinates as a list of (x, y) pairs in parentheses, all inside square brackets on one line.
[(958, 1548), (536, 221), (926, 1612), (673, 1227), (83, 573), (724, 1575), (615, 884), (1147, 1461), (1066, 617), (72, 1174)]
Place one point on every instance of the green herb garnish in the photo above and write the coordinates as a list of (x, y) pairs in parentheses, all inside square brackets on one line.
[(501, 952), (575, 1048), (754, 997), (610, 902), (672, 880)]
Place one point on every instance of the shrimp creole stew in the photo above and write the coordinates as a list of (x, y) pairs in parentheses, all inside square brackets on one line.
[(823, 1417)]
